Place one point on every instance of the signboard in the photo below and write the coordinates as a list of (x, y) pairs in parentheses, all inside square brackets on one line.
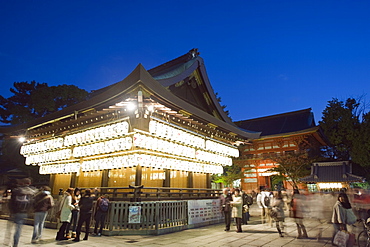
[(134, 215), (203, 211)]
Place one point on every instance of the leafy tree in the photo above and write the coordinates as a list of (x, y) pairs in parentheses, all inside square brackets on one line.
[(347, 126), (16, 109), (292, 166), (33, 100), (360, 152), (341, 124), (231, 174)]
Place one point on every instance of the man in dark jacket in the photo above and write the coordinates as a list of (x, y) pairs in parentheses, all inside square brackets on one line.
[(42, 202), (225, 200), (20, 203), (86, 205), (102, 206)]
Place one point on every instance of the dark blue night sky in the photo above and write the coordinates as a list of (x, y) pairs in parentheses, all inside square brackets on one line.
[(262, 57)]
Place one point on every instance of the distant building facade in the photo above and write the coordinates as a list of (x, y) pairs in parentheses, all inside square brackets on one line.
[(280, 134), (331, 176)]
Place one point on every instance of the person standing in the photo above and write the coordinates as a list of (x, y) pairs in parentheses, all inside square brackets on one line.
[(342, 214), (65, 214), (297, 210), (277, 212), (86, 205), (20, 204), (247, 202), (43, 201), (76, 195), (225, 200), (237, 209), (102, 206)]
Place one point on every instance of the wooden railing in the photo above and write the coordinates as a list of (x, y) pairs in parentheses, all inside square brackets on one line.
[(157, 217), (137, 193)]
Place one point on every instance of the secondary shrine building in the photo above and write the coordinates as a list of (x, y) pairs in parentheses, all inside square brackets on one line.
[(162, 127), (281, 133)]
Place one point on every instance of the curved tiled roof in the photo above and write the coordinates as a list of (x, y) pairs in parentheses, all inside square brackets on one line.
[(140, 77), (281, 123)]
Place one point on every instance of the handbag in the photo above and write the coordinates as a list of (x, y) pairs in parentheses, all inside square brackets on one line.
[(341, 238), (351, 240), (59, 212), (350, 217)]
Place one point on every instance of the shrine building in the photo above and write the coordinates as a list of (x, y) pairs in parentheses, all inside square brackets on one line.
[(162, 127), (280, 134)]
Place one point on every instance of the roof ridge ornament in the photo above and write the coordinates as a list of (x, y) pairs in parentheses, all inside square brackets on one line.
[(194, 52)]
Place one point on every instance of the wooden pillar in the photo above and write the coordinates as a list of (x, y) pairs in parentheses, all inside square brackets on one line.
[(73, 183), (138, 175), (190, 180), (167, 178), (104, 182), (104, 178), (51, 182), (209, 180)]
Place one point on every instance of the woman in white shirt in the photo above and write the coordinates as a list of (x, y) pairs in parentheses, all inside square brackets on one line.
[(237, 211)]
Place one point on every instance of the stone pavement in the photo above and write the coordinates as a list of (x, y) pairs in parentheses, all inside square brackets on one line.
[(254, 234)]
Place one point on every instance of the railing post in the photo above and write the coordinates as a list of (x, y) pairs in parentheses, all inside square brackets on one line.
[(137, 193), (156, 218), (111, 211)]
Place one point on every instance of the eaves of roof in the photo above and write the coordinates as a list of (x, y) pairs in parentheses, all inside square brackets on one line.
[(186, 70), (280, 123), (332, 179), (139, 76), (289, 134)]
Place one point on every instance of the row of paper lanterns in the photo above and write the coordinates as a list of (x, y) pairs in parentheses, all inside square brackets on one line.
[(91, 135), (117, 162)]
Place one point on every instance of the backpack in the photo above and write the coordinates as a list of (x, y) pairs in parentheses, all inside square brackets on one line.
[(249, 200), (23, 200), (266, 201), (104, 205), (274, 212)]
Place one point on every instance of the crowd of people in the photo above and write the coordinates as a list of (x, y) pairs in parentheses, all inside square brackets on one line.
[(74, 210), (275, 206)]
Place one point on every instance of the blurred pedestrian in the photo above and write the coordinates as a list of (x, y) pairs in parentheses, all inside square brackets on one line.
[(297, 212), (19, 206), (86, 205), (101, 211), (65, 209), (237, 209), (263, 201), (2, 192), (42, 202), (225, 200), (259, 204), (277, 212)]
